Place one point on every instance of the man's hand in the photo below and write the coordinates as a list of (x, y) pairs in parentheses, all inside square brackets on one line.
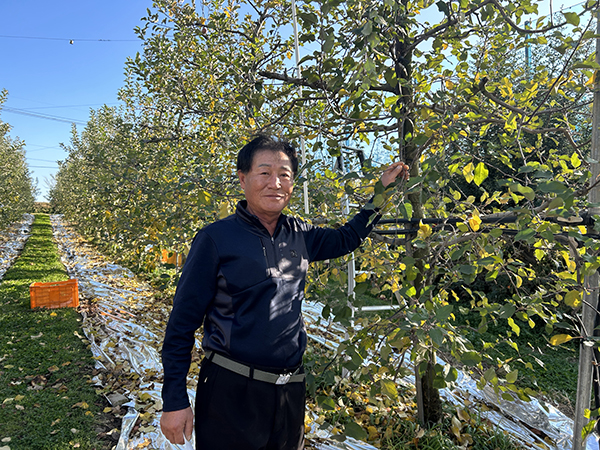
[(394, 171), (174, 424)]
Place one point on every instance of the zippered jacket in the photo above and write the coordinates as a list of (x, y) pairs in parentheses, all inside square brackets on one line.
[(247, 287)]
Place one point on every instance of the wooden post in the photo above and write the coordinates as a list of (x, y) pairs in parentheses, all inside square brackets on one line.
[(590, 297)]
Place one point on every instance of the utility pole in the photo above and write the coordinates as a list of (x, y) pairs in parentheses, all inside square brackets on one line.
[(590, 297)]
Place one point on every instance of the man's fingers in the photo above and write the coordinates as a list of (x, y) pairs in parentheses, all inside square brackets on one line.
[(189, 428)]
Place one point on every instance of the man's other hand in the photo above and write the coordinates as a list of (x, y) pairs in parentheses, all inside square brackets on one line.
[(174, 424), (394, 171)]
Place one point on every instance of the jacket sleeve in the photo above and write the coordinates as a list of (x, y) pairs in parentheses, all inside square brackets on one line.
[(195, 291), (326, 243)]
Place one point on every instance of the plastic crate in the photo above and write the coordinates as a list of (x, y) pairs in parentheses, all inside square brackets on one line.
[(175, 258), (58, 294)]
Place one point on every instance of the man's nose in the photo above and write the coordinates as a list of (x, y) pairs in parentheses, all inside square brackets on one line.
[(275, 181)]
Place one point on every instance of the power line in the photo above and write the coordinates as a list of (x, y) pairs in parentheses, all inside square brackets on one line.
[(73, 106), (44, 167), (43, 160), (71, 41), (42, 116)]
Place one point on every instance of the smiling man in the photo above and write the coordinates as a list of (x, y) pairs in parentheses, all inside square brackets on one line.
[(244, 280)]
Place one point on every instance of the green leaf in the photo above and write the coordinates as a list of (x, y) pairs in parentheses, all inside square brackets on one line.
[(489, 374), (512, 376), (444, 312), (355, 431), (496, 233), (527, 192), (326, 403), (507, 311), (437, 335), (389, 101), (554, 187), (525, 234), (481, 173), (388, 387), (572, 18), (470, 358)]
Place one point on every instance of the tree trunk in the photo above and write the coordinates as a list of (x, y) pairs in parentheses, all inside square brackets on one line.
[(428, 398)]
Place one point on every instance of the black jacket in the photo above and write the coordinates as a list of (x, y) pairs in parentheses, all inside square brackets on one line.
[(248, 286)]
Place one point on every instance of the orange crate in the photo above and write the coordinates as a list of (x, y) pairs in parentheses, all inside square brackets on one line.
[(59, 294), (176, 258)]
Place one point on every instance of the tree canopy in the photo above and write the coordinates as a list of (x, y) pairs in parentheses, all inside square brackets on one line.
[(17, 190)]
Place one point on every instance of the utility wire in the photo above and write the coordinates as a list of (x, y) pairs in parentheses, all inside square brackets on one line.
[(43, 160), (68, 40), (41, 116)]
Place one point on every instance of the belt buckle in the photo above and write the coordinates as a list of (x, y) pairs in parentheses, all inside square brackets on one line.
[(284, 378)]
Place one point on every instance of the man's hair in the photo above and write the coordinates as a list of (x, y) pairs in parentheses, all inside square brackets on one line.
[(264, 142)]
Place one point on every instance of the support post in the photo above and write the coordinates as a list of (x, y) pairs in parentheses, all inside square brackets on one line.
[(299, 72), (590, 297)]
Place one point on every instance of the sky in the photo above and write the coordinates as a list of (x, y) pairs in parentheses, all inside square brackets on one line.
[(47, 75), (59, 59)]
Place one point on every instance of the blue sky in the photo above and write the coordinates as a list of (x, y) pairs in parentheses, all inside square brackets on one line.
[(46, 75)]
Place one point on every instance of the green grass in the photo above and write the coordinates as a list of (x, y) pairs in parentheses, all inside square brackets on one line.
[(46, 400)]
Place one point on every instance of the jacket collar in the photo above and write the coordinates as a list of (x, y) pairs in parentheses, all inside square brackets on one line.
[(242, 212)]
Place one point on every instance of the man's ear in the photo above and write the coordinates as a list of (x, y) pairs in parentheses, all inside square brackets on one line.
[(242, 177)]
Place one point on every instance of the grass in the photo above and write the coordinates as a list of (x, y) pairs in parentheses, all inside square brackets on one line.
[(46, 399)]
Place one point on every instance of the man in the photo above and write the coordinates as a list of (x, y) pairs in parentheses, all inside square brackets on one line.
[(244, 279)]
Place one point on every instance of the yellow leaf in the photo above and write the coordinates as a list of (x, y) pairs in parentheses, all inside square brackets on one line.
[(539, 254), (463, 415), (573, 298), (519, 281), (475, 221), (516, 328), (468, 172), (223, 210), (361, 278), (560, 339), (82, 405), (424, 230)]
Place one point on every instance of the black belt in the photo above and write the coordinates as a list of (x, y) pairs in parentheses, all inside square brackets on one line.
[(256, 374)]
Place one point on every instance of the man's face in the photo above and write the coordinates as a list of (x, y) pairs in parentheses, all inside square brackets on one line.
[(269, 184)]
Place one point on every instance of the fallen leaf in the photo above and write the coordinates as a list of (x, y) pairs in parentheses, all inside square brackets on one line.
[(52, 368), (82, 405), (5, 440), (37, 336)]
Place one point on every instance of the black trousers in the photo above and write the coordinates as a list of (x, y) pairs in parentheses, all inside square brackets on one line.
[(234, 412)]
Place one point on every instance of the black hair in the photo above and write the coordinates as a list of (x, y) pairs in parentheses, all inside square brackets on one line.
[(262, 142)]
